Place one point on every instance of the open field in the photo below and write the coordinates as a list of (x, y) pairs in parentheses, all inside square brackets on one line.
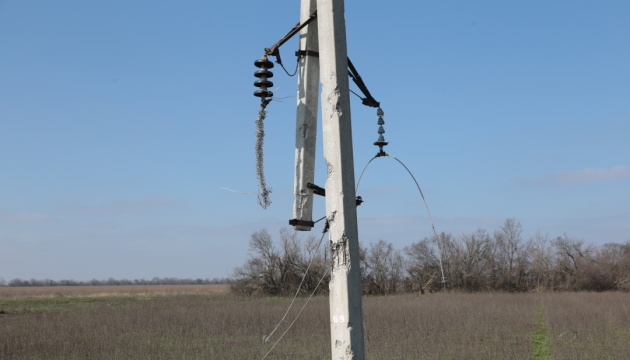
[(213, 324), (589, 325), (105, 291)]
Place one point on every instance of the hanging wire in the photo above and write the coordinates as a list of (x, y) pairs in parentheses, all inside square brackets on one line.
[(426, 205), (297, 292), (299, 313), (296, 68)]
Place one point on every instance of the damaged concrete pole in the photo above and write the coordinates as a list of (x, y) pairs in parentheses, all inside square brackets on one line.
[(306, 121), (346, 314)]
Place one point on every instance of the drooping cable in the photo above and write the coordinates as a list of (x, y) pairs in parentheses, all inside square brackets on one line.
[(435, 235), (294, 71), (297, 292), (426, 205), (299, 313)]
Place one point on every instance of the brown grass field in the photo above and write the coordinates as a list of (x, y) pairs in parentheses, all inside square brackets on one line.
[(207, 322), (105, 291)]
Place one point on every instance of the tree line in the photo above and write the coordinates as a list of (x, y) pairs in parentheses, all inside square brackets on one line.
[(502, 260), (112, 281)]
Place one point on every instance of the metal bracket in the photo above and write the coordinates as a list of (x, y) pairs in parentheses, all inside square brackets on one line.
[(274, 49), (296, 222), (316, 189), (307, 53)]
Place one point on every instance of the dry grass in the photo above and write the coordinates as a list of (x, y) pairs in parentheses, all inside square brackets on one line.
[(215, 325), (450, 326), (211, 326), (108, 291), (588, 325)]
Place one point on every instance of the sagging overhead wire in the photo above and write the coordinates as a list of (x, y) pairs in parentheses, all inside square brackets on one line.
[(435, 235), (297, 292), (381, 143), (299, 313)]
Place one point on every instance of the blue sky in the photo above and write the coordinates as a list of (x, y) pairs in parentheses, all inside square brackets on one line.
[(122, 123)]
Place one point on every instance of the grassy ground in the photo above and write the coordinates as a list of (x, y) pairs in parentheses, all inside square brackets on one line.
[(108, 291), (202, 323), (540, 342), (588, 325)]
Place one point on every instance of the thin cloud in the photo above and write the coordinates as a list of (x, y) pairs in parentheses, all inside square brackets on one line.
[(382, 190), (235, 191), (478, 221), (126, 207), (587, 175), (388, 220), (8, 217)]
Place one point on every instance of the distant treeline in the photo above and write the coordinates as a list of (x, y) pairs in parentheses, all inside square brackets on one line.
[(479, 261), (111, 281)]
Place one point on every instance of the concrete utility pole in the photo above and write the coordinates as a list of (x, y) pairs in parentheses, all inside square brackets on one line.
[(306, 123), (328, 36), (346, 314)]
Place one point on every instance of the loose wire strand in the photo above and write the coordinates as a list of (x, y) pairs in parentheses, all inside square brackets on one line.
[(426, 205), (266, 339), (299, 313), (294, 72)]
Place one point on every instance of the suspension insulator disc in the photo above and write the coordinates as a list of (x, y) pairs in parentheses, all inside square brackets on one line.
[(263, 83), (263, 93), (263, 63), (263, 73)]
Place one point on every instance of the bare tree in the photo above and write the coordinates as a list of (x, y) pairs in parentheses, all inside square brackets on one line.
[(623, 279), (260, 273), (423, 266), (297, 264), (541, 273), (383, 269), (507, 240), (605, 270), (474, 257), (472, 262), (572, 260)]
